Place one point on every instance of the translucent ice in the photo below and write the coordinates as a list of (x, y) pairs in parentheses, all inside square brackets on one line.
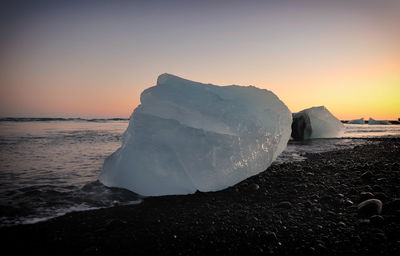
[(373, 121), (187, 136), (316, 122), (356, 121)]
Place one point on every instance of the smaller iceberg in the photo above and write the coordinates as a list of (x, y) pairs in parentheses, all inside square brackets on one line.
[(356, 121), (316, 122), (373, 121)]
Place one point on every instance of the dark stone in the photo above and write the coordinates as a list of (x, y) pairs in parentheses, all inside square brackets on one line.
[(115, 224), (395, 204), (348, 202), (377, 188), (353, 191), (326, 199), (380, 236), (366, 175), (316, 210), (285, 205), (368, 188), (308, 203), (381, 196), (271, 236), (377, 219), (370, 207), (392, 207), (365, 196), (255, 186)]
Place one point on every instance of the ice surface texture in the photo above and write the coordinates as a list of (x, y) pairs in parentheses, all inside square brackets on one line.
[(316, 122), (187, 136), (373, 121), (356, 121)]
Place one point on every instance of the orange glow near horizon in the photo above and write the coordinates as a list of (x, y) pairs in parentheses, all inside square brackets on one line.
[(371, 91), (347, 95)]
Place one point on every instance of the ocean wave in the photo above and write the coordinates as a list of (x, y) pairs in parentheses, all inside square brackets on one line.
[(38, 203)]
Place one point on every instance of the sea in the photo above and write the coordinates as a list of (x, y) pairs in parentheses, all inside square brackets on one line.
[(50, 166)]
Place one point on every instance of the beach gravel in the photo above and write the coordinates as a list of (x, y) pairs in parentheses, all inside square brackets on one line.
[(309, 207)]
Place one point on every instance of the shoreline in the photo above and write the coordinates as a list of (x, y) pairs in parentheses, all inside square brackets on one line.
[(291, 208)]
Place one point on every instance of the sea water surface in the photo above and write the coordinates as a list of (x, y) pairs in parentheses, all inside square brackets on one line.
[(49, 167)]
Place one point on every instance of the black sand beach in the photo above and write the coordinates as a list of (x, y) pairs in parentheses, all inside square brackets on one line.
[(302, 207)]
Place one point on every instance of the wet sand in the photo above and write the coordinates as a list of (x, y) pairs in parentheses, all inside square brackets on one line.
[(302, 207)]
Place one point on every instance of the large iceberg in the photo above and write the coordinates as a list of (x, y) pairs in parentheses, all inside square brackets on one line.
[(187, 136), (373, 121), (356, 121), (316, 122)]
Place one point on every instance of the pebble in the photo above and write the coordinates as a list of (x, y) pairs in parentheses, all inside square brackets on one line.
[(334, 230), (285, 205), (381, 196), (380, 236), (370, 207), (353, 191), (115, 224), (316, 209), (377, 188), (308, 203), (366, 175), (326, 200), (255, 186), (271, 236), (321, 247), (377, 219), (348, 202), (394, 204), (368, 188), (366, 195)]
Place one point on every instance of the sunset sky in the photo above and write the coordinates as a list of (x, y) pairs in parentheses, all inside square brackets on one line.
[(68, 59)]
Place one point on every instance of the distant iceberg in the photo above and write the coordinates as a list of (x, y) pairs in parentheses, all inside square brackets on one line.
[(373, 121), (316, 122), (187, 136), (357, 121)]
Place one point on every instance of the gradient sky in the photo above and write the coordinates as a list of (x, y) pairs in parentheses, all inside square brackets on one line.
[(68, 59)]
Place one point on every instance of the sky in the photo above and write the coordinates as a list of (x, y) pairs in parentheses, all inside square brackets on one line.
[(94, 58)]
